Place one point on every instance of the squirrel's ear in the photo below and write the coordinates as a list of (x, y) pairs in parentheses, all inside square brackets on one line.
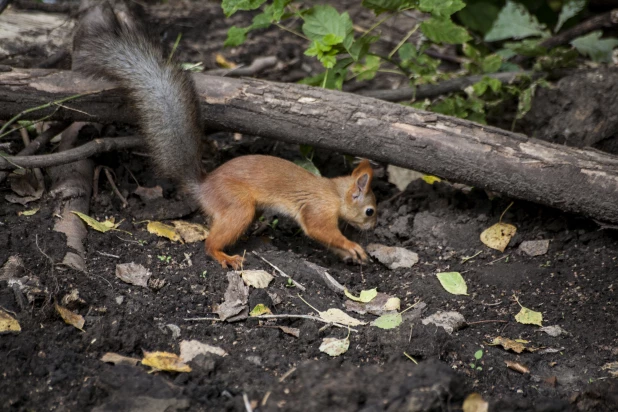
[(362, 178)]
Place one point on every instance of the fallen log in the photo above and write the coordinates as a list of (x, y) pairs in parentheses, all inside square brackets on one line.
[(575, 180)]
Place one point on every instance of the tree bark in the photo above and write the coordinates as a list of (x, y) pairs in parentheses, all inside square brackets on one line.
[(574, 180)]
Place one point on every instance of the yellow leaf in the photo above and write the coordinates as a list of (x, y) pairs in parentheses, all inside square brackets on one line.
[(71, 318), (223, 62), (431, 179), (259, 309), (28, 212), (163, 230), (190, 232), (366, 296), (475, 403), (259, 279), (95, 224), (516, 345), (8, 323), (165, 361), (498, 236), (529, 317)]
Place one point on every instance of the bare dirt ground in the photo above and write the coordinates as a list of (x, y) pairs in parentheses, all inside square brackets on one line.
[(53, 366)]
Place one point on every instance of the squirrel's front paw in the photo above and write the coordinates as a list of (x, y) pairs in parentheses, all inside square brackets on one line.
[(355, 253)]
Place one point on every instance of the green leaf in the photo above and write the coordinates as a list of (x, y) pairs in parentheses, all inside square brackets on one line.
[(381, 6), (515, 22), (444, 31), (441, 8), (321, 21), (235, 36), (407, 52), (478, 354), (479, 16), (359, 48), (525, 101), (260, 309), (491, 63), (527, 47), (365, 295), (388, 321), (481, 87), (599, 50), (569, 9), (232, 6), (368, 70), (308, 166), (529, 317), (453, 283), (277, 9)]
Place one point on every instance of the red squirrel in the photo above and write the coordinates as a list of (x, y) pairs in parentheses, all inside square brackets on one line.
[(168, 111)]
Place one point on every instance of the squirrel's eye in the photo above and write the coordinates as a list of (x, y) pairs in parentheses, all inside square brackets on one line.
[(369, 211)]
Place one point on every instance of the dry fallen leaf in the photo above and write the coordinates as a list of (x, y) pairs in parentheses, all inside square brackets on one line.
[(611, 368), (8, 324), (378, 306), (149, 193), (529, 317), (165, 361), (334, 347), (498, 236), (163, 230), (517, 367), (339, 316), (517, 346), (190, 232), (290, 331), (117, 359), (133, 273), (189, 349), (223, 62), (259, 279), (475, 403), (234, 306), (71, 318)]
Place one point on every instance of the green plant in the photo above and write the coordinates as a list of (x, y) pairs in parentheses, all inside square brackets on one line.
[(164, 258), (477, 357), (490, 37)]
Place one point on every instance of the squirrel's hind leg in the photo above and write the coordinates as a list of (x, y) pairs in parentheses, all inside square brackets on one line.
[(225, 229)]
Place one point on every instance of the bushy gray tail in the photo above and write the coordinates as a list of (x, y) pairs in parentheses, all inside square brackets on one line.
[(164, 97)]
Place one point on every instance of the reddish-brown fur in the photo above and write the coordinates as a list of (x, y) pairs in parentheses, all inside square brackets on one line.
[(168, 110), (231, 194)]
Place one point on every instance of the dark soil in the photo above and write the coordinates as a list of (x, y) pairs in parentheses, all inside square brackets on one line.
[(53, 366)]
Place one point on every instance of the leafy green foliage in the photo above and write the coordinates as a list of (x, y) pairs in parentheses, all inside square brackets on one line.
[(599, 50), (570, 8), (516, 30), (515, 22)]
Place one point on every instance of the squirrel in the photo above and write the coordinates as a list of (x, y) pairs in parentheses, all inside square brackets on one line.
[(169, 117)]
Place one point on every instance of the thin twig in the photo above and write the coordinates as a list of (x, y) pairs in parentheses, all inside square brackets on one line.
[(44, 106), (245, 399), (72, 155), (495, 260), (487, 321), (202, 319), (107, 254), (310, 317), (288, 373)]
